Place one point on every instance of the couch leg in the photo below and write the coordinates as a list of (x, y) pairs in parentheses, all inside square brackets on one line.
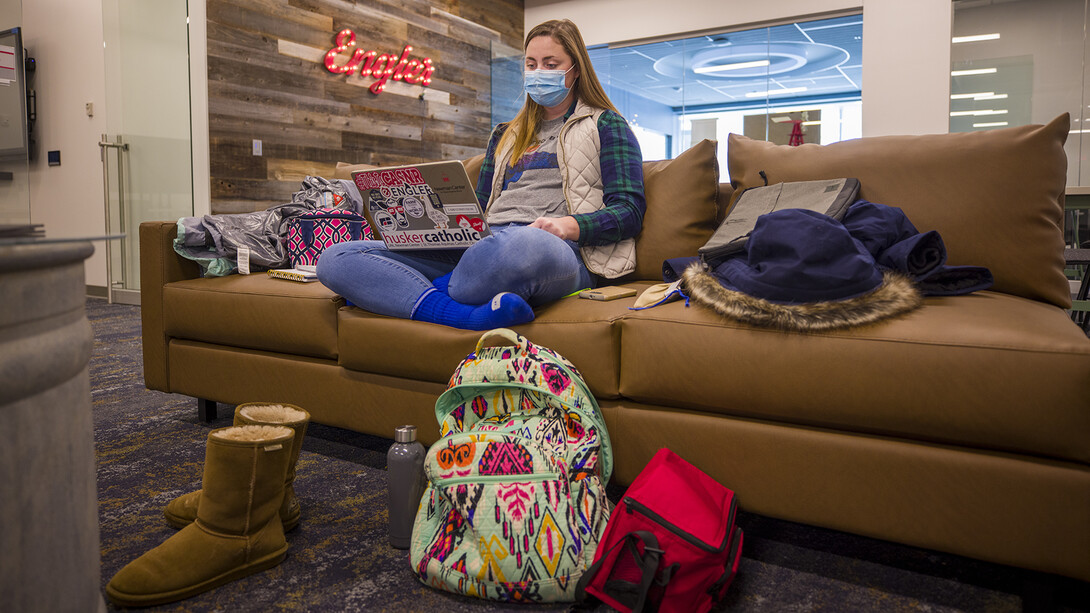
[(206, 409), (1039, 592)]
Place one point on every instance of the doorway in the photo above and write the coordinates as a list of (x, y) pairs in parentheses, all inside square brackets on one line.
[(14, 144), (147, 149)]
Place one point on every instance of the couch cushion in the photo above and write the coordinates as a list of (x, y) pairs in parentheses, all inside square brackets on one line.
[(581, 330), (988, 370), (255, 312), (681, 208), (995, 196)]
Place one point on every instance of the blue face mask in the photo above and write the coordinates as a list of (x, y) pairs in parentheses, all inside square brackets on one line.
[(546, 87)]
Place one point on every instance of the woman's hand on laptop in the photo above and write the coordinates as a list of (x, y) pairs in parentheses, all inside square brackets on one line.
[(564, 227)]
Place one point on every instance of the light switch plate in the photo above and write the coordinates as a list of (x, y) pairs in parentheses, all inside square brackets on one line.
[(257, 147)]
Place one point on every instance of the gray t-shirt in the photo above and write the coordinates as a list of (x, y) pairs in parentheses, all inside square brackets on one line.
[(532, 187)]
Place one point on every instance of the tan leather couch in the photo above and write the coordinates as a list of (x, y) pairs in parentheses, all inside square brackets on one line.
[(962, 426)]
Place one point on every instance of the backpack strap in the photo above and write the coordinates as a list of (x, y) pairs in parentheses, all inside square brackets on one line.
[(502, 337)]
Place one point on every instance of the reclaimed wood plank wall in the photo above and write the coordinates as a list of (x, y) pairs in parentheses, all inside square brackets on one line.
[(267, 81)]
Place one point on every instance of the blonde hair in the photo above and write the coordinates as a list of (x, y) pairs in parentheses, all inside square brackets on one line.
[(523, 128)]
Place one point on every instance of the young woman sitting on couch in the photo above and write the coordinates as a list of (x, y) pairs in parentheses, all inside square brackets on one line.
[(553, 232)]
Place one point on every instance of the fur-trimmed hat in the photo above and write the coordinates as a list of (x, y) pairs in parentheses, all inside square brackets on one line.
[(803, 271)]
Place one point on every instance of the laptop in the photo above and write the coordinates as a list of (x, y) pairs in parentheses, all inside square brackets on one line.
[(422, 206)]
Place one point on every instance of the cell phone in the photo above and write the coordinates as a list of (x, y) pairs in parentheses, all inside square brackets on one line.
[(610, 292)]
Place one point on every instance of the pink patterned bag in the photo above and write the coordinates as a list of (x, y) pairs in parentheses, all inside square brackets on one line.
[(312, 233)]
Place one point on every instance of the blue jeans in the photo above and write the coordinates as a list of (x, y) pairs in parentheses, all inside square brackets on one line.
[(532, 263)]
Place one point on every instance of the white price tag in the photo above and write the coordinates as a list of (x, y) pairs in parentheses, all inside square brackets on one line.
[(243, 260)]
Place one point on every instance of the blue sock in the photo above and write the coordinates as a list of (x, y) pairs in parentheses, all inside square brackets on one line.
[(441, 283), (504, 310)]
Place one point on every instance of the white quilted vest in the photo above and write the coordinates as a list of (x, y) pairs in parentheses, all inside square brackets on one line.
[(578, 157)]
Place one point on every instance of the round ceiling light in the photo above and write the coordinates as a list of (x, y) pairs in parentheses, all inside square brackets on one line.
[(753, 60)]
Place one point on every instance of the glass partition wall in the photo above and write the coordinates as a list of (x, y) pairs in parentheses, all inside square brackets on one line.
[(146, 153), (1019, 62), (15, 117), (506, 82), (790, 83), (1024, 62)]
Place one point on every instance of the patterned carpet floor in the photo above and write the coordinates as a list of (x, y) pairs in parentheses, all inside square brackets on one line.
[(150, 448)]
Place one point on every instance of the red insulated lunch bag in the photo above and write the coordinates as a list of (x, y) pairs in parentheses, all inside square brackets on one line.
[(671, 543)]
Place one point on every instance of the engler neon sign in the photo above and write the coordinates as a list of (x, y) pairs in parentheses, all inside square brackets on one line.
[(380, 67)]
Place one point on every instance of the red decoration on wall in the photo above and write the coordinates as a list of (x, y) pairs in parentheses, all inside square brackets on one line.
[(380, 67), (796, 134)]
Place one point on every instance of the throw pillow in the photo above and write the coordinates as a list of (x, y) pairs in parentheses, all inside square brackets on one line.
[(473, 167), (681, 208)]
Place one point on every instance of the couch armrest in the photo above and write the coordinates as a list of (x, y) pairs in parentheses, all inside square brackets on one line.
[(159, 265)]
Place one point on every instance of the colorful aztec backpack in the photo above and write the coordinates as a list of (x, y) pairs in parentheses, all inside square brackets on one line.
[(312, 233), (515, 503)]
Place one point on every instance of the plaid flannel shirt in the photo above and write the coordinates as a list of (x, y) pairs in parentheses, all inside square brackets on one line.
[(622, 182)]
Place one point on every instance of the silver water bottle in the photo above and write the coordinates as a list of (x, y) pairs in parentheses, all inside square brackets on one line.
[(405, 473)]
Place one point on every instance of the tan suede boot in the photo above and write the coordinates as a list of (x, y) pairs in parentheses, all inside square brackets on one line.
[(181, 511), (237, 531)]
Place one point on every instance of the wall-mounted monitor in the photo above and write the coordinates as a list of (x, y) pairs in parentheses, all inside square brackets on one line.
[(14, 135)]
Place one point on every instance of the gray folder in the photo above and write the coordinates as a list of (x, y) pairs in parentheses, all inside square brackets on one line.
[(830, 197)]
